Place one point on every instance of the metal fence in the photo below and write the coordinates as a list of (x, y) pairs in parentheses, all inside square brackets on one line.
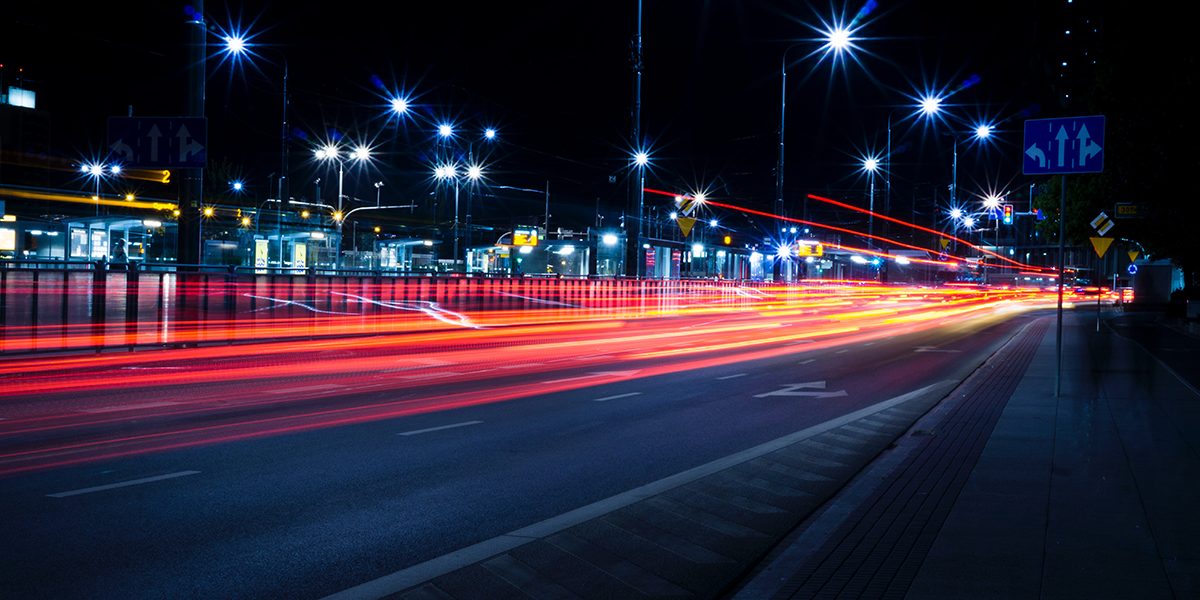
[(72, 306)]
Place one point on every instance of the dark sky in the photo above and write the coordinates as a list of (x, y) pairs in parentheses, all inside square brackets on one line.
[(553, 78)]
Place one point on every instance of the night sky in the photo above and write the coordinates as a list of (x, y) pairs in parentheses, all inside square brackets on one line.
[(554, 79)]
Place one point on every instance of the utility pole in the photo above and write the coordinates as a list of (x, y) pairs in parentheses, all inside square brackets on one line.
[(192, 187), (635, 261)]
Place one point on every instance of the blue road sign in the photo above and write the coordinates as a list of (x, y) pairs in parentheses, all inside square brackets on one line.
[(1132, 269), (159, 142), (1068, 145)]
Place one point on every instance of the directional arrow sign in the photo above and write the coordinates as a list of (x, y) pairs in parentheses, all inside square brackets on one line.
[(1069, 145), (159, 142), (794, 389)]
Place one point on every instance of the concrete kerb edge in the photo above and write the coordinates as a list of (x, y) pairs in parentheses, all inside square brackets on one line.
[(806, 538), (925, 401)]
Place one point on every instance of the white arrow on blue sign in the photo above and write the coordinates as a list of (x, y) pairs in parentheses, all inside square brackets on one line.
[(159, 142), (1068, 145)]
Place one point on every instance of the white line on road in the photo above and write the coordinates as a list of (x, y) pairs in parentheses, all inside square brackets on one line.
[(327, 386), (464, 424), (841, 352), (121, 485), (733, 376), (869, 344), (617, 396), (805, 362), (126, 407)]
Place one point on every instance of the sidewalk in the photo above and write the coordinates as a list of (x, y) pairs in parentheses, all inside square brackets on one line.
[(1004, 491)]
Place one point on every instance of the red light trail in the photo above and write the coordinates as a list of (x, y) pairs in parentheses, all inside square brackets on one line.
[(65, 410)]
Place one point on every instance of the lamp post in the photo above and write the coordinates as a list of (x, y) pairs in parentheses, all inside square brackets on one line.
[(331, 152), (237, 46), (870, 165), (837, 40), (928, 106), (451, 172), (981, 132)]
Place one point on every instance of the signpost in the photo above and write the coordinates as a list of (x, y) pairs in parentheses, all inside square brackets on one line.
[(1061, 147), (159, 142)]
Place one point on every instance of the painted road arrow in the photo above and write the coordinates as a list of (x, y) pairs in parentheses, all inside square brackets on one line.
[(792, 389)]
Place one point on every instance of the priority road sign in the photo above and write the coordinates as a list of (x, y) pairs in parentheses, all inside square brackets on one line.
[(159, 142), (1060, 146), (1102, 224)]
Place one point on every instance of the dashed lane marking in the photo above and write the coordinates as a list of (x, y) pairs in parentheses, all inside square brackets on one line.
[(463, 424), (122, 484), (607, 398)]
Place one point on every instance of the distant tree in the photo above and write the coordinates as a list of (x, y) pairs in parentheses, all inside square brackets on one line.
[(1146, 92), (220, 177)]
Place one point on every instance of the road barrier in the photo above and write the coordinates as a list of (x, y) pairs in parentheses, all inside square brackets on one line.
[(50, 306)]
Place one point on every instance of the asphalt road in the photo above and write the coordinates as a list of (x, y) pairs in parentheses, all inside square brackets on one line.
[(309, 511)]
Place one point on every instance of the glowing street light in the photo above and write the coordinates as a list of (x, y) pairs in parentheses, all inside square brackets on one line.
[(399, 106), (956, 213), (641, 158), (235, 44), (992, 201), (870, 165), (838, 40), (445, 130), (331, 152), (931, 105), (981, 132), (489, 133)]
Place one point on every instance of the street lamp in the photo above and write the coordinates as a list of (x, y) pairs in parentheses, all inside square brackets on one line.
[(96, 171), (870, 165), (838, 39), (981, 132), (451, 172), (331, 152)]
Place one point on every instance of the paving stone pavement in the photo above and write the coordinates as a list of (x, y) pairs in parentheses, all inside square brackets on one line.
[(1005, 491)]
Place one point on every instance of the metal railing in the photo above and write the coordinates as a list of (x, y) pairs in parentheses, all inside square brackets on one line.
[(50, 306)]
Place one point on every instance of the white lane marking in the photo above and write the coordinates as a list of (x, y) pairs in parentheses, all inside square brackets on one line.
[(430, 569), (327, 386), (464, 424), (805, 362), (121, 485), (126, 407), (607, 398), (841, 352), (594, 375), (797, 343), (733, 376), (932, 349), (430, 375), (869, 344)]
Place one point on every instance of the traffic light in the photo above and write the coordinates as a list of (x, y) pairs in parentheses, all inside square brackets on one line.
[(728, 240), (1008, 214)]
